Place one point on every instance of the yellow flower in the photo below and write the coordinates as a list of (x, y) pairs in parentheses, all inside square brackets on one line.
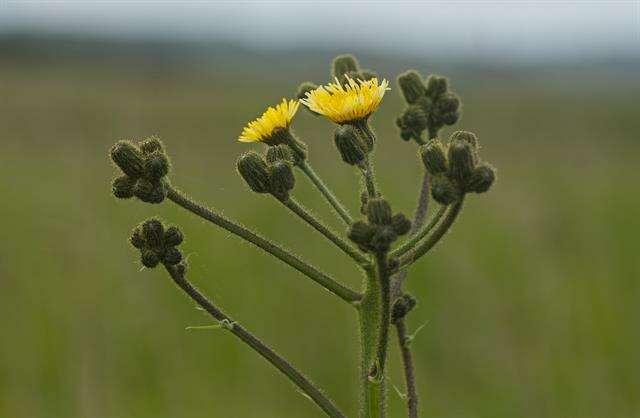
[(262, 129), (351, 102)]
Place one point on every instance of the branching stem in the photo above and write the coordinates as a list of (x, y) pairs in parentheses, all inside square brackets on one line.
[(261, 348), (286, 256), (326, 192), (416, 237)]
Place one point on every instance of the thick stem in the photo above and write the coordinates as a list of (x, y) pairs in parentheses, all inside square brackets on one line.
[(303, 213), (335, 203), (424, 246), (407, 362), (287, 257), (261, 348), (382, 270)]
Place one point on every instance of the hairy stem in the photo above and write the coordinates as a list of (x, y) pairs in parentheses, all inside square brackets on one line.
[(382, 270), (286, 256), (407, 362), (326, 192), (416, 237), (369, 179), (424, 246), (303, 213), (261, 348)]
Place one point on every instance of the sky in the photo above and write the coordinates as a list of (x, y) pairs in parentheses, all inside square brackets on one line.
[(521, 30)]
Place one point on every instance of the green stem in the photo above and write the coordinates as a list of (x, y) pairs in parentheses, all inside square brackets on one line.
[(382, 270), (433, 239), (407, 362), (369, 178), (335, 203), (261, 348), (415, 238), (303, 213), (284, 255)]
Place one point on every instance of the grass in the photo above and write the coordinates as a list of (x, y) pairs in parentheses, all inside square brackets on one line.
[(530, 303)]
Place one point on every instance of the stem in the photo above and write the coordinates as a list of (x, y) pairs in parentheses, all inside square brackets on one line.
[(261, 348), (284, 255), (433, 239), (416, 237), (407, 361), (303, 213), (369, 178), (339, 208), (385, 315)]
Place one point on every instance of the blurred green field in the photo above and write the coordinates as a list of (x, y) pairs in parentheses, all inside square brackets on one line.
[(530, 303)]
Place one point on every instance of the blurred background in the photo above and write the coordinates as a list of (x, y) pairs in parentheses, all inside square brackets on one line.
[(529, 306)]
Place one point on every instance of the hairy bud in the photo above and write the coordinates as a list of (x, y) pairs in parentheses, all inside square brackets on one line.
[(156, 243), (344, 65), (173, 236), (400, 224), (402, 306), (443, 190), (411, 86), (128, 158), (153, 233), (379, 211), (279, 153), (481, 179), (305, 88), (436, 85), (468, 137), (461, 160), (172, 256), (433, 157), (150, 145), (254, 171), (282, 179), (361, 233), (148, 191), (351, 148), (156, 165), (123, 187)]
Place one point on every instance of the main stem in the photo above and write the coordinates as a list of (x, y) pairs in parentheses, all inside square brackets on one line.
[(382, 270), (261, 348), (287, 257), (326, 192)]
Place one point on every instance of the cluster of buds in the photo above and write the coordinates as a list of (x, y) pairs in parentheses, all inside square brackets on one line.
[(343, 67), (273, 174), (402, 306), (144, 168), (430, 106), (157, 244), (457, 168), (381, 229)]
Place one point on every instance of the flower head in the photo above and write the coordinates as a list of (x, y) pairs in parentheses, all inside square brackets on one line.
[(273, 119), (355, 100)]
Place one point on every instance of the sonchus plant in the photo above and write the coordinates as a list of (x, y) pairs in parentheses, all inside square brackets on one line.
[(384, 243)]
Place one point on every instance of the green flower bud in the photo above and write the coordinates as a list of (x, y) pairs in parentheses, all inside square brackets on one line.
[(149, 258), (153, 233), (411, 86), (368, 75), (173, 236), (126, 156), (282, 179), (448, 108), (279, 153), (461, 160), (412, 122), (136, 239), (379, 211), (383, 238), (481, 179), (254, 171), (402, 306), (172, 256), (361, 233), (149, 192), (351, 148), (305, 88), (443, 190), (400, 224), (123, 187), (344, 64), (150, 145), (436, 85), (433, 157), (156, 165), (468, 137)]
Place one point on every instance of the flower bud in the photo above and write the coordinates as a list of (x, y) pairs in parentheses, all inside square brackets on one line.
[(436, 85), (149, 192), (383, 238), (443, 190), (412, 122), (481, 179), (254, 171), (173, 236), (305, 88), (150, 145), (368, 75), (449, 108), (400, 224), (433, 157), (411, 86), (468, 137), (361, 233), (123, 187), (153, 233), (344, 64), (402, 306), (282, 179), (461, 160), (172, 256), (156, 165), (349, 144), (279, 153), (149, 258), (137, 240), (379, 211), (126, 156)]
